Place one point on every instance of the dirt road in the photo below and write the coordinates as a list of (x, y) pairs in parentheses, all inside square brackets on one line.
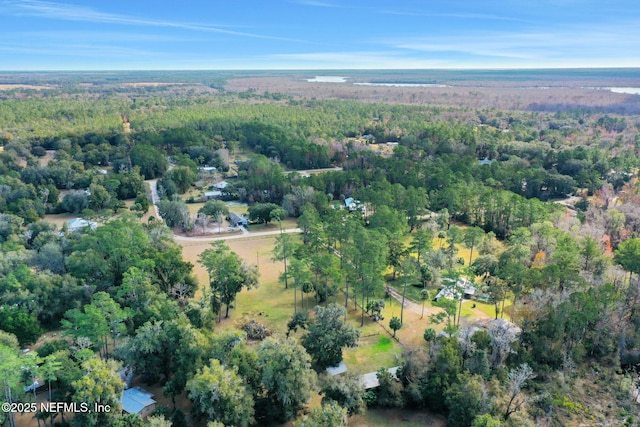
[(410, 305), (235, 236)]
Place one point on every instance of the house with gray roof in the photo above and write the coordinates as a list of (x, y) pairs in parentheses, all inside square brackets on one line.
[(371, 380), (236, 220)]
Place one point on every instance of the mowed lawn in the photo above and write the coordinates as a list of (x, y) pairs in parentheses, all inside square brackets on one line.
[(272, 305)]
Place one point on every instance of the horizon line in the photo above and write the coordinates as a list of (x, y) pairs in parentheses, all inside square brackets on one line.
[(88, 70)]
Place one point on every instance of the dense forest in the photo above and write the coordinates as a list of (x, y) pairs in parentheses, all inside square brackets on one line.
[(563, 278)]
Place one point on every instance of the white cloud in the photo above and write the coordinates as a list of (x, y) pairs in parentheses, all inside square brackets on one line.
[(575, 43), (75, 50), (351, 60), (474, 16), (70, 12), (99, 36), (315, 3)]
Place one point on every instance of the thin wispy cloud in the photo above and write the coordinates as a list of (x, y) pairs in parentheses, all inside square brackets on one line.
[(75, 50), (578, 41), (315, 3), (475, 16), (68, 12), (357, 60), (99, 36), (306, 34)]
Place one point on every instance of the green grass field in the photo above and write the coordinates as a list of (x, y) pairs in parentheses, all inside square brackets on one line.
[(379, 417), (272, 305)]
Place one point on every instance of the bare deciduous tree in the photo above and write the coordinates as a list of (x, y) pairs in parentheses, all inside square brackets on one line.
[(503, 333), (516, 381)]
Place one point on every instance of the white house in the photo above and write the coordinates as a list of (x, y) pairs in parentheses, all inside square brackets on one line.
[(210, 195), (208, 169), (456, 289), (76, 224), (352, 204), (220, 185)]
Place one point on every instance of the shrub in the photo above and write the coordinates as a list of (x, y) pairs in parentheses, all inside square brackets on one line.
[(256, 331)]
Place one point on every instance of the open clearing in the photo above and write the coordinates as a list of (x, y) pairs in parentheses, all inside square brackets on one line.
[(397, 418), (23, 86), (272, 304)]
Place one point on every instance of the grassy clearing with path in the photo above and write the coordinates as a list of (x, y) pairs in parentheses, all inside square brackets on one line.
[(272, 304)]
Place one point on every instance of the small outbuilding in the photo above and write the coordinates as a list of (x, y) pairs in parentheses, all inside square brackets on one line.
[(139, 401), (341, 368), (236, 219), (371, 380)]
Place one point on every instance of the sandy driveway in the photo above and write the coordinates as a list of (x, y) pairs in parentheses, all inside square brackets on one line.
[(247, 235)]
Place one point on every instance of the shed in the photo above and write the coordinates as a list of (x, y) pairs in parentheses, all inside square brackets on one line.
[(139, 401), (370, 380), (337, 370)]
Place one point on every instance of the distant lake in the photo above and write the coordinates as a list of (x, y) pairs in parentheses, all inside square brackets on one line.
[(328, 79), (629, 90), (403, 84)]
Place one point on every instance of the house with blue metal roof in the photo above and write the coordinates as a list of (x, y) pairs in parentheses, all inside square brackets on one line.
[(139, 401), (76, 224)]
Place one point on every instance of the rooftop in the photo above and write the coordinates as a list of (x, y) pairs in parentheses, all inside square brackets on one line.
[(78, 223), (370, 380), (135, 399), (336, 370)]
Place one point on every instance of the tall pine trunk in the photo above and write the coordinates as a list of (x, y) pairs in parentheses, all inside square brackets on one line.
[(404, 291)]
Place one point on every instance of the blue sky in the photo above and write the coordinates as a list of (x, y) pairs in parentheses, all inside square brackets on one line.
[(317, 34)]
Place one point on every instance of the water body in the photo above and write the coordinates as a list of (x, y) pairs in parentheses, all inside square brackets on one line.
[(328, 79), (628, 90)]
